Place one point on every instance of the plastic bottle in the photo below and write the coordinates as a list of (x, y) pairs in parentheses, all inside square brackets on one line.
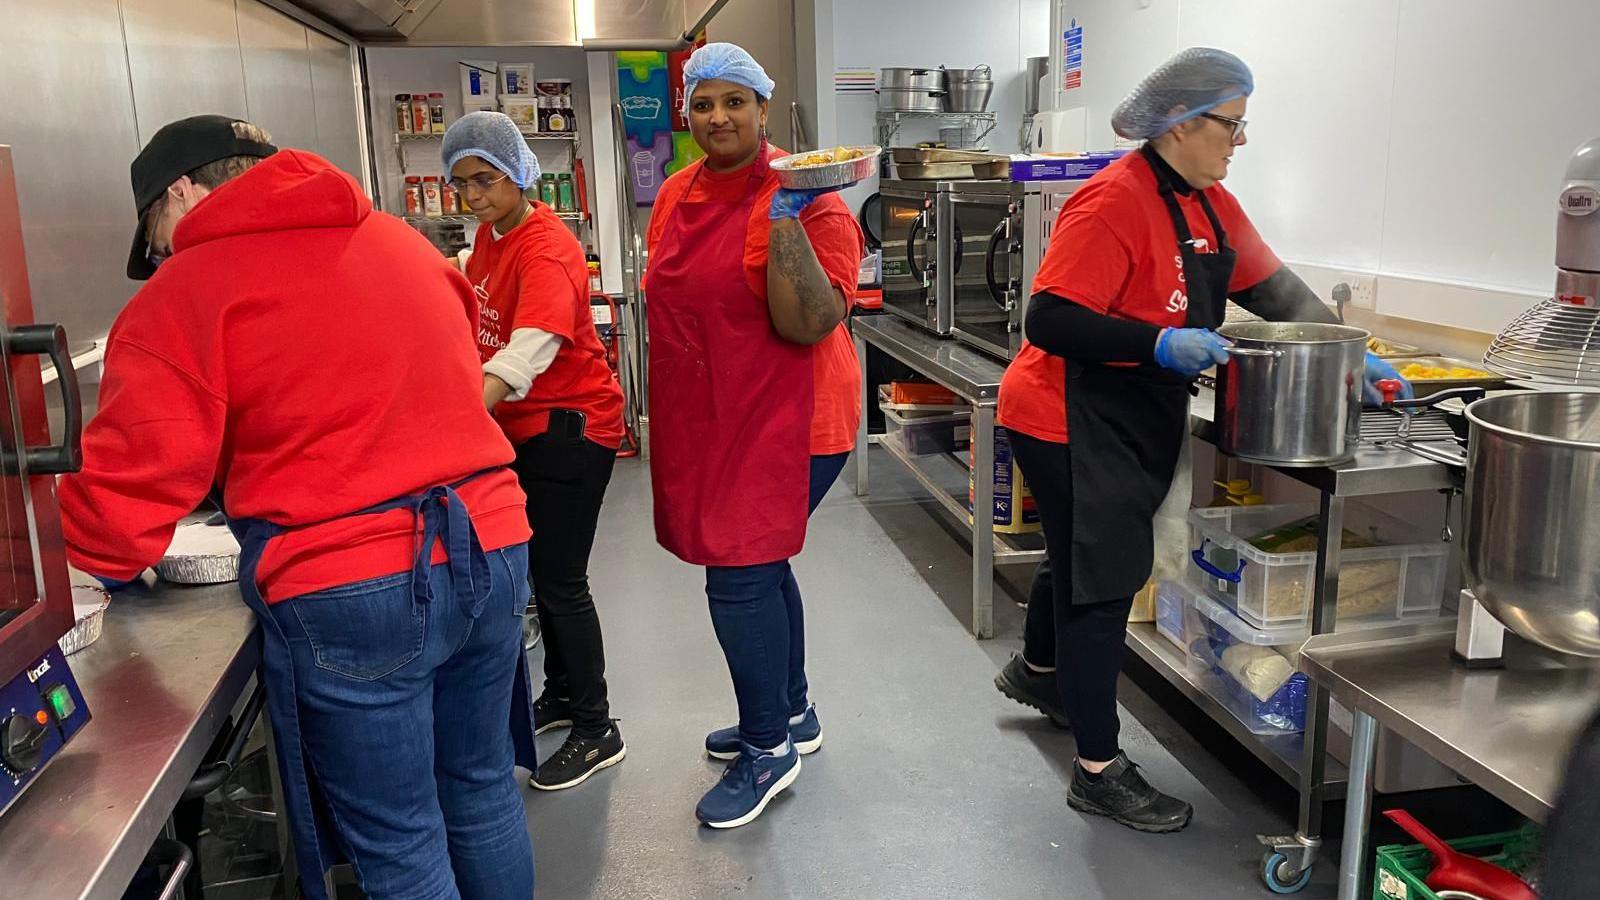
[(549, 192), (436, 111), (421, 116), (413, 194), (402, 114), (432, 197), (564, 196)]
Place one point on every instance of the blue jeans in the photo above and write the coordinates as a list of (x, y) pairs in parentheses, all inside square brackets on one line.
[(404, 712), (760, 623)]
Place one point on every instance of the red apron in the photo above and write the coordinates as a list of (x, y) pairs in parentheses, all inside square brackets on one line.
[(730, 400)]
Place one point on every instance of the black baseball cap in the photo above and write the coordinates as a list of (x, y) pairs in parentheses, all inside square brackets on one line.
[(173, 152)]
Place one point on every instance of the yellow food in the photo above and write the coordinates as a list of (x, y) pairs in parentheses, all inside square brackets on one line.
[(1420, 372), (826, 157), (1381, 346)]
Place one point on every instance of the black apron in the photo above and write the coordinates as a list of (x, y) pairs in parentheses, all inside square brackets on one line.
[(1126, 425)]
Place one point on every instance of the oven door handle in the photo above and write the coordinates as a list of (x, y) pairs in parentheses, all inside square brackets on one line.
[(918, 227), (50, 339), (1001, 296)]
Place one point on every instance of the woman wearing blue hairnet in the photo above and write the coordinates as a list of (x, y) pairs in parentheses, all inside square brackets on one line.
[(546, 381), (754, 401), (1143, 258)]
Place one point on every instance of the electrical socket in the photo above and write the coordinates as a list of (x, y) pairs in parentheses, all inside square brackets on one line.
[(1363, 289)]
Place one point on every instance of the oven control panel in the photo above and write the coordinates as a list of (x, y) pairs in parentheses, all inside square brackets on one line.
[(41, 709)]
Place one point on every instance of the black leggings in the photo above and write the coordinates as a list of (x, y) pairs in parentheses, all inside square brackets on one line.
[(1083, 642)]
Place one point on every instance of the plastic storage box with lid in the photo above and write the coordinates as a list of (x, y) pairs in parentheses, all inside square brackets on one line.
[(1176, 617), (523, 110), (1249, 671), (928, 434), (1388, 569)]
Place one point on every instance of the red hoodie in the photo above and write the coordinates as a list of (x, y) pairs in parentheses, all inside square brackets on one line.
[(312, 358)]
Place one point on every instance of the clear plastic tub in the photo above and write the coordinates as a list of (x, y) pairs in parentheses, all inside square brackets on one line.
[(927, 435), (1257, 682), (1175, 613), (1388, 570)]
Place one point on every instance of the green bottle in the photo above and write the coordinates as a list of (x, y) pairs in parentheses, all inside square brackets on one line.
[(567, 202), (548, 192)]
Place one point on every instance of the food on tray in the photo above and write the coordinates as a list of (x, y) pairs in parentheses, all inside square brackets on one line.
[(1384, 348), (1421, 372), (821, 158)]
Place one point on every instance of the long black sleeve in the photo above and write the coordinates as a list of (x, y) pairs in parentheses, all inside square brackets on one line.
[(1283, 297), (1061, 327)]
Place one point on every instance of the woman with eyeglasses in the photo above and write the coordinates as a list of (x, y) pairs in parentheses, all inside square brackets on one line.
[(546, 381), (1142, 261)]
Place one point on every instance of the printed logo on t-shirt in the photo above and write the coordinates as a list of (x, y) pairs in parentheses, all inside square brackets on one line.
[(488, 318)]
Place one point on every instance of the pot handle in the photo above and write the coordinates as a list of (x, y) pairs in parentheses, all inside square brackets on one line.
[(1254, 351), (1464, 394), (1199, 555), (1432, 453)]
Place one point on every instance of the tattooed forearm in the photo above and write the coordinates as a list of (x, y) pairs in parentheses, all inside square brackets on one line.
[(803, 303)]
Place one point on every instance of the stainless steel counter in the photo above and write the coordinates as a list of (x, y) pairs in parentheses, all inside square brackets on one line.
[(171, 665), (951, 363)]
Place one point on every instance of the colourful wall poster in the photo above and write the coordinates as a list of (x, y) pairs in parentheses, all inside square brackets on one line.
[(684, 152), (675, 63), (645, 112), (641, 64), (647, 166)]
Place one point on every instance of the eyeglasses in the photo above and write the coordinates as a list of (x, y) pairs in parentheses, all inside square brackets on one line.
[(154, 256), (481, 182), (1236, 126)]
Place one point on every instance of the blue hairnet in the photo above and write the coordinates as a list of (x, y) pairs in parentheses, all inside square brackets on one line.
[(495, 139), (1198, 80), (724, 62)]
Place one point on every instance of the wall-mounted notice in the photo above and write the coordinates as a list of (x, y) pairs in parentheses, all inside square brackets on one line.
[(1072, 57)]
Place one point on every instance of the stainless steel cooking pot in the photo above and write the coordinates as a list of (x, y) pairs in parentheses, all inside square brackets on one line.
[(910, 79), (1531, 520), (968, 90), (893, 100), (1290, 395)]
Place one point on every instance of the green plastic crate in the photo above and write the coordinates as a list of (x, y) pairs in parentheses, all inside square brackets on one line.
[(1402, 868)]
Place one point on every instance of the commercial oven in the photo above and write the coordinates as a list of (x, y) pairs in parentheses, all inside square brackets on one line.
[(909, 228), (41, 707), (998, 232)]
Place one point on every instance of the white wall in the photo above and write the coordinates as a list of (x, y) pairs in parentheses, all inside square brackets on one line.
[(1420, 140)]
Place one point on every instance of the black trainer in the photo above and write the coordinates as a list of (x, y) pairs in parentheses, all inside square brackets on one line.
[(1122, 795), (578, 758), (550, 713), (1030, 688)]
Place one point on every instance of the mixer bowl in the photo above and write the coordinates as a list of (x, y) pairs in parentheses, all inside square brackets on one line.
[(1531, 522)]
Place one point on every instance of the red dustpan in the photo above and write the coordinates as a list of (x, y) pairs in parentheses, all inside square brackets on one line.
[(1453, 871)]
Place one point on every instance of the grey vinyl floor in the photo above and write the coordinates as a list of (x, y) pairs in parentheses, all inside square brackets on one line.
[(929, 784)]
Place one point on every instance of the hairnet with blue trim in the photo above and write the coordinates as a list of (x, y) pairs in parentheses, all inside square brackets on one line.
[(724, 62), (1194, 82), (495, 139)]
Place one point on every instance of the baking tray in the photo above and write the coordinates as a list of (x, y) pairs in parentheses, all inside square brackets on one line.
[(201, 554), (89, 611), (1399, 349), (922, 156), (1427, 387), (832, 175), (954, 171)]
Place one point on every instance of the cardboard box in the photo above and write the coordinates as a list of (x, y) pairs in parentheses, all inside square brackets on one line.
[(1061, 168)]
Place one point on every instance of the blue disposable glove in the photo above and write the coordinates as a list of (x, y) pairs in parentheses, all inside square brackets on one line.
[(1190, 351), (787, 204), (112, 584), (1378, 370)]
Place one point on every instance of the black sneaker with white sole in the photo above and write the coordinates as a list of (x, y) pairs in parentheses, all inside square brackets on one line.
[(1122, 795), (550, 713), (1030, 688), (578, 758)]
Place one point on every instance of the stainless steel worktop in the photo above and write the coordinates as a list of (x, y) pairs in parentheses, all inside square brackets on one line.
[(1507, 730), (171, 665), (950, 363)]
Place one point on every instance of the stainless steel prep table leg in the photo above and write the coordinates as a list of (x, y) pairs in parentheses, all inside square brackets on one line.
[(1288, 863), (1353, 879), (863, 443), (983, 521)]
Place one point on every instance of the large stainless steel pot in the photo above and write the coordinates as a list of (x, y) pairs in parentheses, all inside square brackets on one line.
[(1531, 521), (968, 90), (891, 100), (910, 79), (1290, 395)]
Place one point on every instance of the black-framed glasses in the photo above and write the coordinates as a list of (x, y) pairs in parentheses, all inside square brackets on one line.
[(481, 182), (1236, 126)]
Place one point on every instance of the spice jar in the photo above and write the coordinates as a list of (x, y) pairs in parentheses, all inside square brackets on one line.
[(436, 111), (549, 194), (565, 201), (402, 114), (421, 118), (432, 197), (413, 194), (447, 197)]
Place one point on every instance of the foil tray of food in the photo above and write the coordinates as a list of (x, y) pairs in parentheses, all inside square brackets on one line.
[(827, 169)]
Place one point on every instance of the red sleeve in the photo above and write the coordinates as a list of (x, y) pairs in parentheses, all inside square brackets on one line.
[(547, 295), (1256, 260), (469, 299), (150, 456), (837, 240), (1086, 263)]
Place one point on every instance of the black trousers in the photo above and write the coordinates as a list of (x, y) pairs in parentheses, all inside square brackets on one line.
[(1083, 642), (565, 480)]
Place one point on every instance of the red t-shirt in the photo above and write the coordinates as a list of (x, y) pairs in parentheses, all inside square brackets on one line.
[(1114, 250), (536, 277), (312, 358), (839, 245)]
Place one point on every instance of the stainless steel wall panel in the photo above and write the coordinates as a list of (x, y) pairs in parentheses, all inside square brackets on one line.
[(184, 59), (339, 121), (277, 75), (69, 119)]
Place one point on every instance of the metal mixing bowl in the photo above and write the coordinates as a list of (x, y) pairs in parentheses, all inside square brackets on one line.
[(833, 175)]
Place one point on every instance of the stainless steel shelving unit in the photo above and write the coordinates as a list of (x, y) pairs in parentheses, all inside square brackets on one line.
[(889, 123)]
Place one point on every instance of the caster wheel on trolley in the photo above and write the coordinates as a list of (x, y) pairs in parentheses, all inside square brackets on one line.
[(1281, 877)]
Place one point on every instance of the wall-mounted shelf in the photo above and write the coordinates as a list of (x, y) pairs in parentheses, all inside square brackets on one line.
[(473, 220), (889, 122), (530, 135)]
